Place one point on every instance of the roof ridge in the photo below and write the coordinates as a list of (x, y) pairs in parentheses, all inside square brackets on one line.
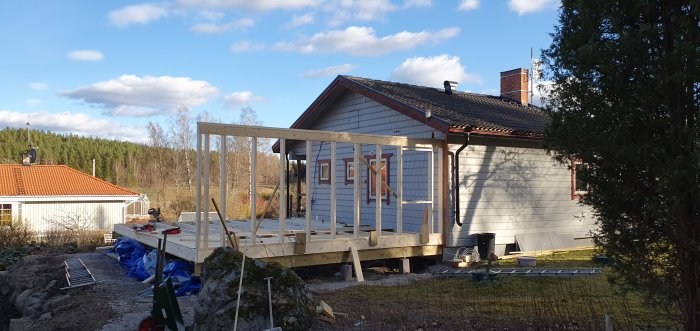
[(19, 183)]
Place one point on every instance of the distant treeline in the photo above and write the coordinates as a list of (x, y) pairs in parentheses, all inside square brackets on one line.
[(115, 161)]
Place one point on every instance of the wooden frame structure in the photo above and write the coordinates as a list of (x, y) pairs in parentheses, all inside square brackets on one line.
[(310, 247)]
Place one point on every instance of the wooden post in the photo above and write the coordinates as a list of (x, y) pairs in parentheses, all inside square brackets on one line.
[(298, 187), (253, 165), (334, 163), (441, 187), (431, 188), (378, 190), (357, 193), (207, 159), (399, 187), (198, 198), (283, 185), (309, 188), (222, 182)]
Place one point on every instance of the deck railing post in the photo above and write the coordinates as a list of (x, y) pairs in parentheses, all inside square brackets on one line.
[(357, 193), (334, 163), (309, 188), (399, 189), (207, 159), (378, 190), (253, 194), (198, 198), (441, 189), (283, 186), (223, 182), (431, 187)]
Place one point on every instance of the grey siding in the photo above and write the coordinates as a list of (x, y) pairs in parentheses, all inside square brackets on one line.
[(357, 114), (511, 190)]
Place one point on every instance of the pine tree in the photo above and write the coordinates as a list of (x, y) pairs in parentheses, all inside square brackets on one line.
[(626, 101)]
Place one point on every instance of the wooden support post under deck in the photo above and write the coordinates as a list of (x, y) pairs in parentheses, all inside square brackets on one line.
[(253, 165), (283, 185), (399, 188), (309, 188), (356, 263), (357, 193), (207, 159), (334, 163), (378, 190), (198, 198), (222, 181)]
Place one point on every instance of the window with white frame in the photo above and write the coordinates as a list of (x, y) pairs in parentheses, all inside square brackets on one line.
[(324, 169), (349, 171), (5, 214), (579, 185)]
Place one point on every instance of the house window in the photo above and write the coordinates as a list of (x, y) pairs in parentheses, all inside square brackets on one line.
[(324, 169), (5, 214), (371, 174), (349, 171), (579, 186)]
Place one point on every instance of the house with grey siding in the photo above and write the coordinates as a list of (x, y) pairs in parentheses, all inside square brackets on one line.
[(496, 176)]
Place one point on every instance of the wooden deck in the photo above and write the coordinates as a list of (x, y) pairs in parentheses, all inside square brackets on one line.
[(322, 248)]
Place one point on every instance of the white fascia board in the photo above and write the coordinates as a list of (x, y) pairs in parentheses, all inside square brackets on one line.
[(66, 198)]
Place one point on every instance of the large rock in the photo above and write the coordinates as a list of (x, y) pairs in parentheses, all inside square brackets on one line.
[(292, 307)]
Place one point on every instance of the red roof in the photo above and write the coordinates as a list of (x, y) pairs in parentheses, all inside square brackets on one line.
[(52, 180)]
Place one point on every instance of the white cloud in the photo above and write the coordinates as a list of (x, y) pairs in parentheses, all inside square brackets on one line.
[(417, 3), (358, 10), (245, 46), (131, 95), (38, 86), (241, 98), (467, 5), (86, 55), (329, 71), (433, 71), (75, 123), (363, 41), (256, 5), (530, 6), (138, 14), (33, 102), (220, 28), (212, 15), (300, 20)]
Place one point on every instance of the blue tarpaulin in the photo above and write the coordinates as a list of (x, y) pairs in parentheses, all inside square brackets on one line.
[(141, 265)]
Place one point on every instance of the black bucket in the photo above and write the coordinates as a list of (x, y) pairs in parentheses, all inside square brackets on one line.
[(486, 243)]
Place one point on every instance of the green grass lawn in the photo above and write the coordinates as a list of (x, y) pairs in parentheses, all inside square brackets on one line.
[(511, 302)]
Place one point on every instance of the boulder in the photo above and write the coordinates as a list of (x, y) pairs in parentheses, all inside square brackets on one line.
[(292, 305)]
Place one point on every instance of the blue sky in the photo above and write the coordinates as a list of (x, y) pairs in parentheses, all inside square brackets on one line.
[(107, 68)]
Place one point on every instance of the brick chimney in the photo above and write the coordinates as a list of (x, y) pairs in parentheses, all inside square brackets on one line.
[(514, 85)]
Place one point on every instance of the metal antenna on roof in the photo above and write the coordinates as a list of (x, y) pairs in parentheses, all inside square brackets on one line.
[(29, 139)]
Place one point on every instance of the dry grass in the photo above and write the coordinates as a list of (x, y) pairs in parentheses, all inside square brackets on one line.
[(172, 202), (510, 302)]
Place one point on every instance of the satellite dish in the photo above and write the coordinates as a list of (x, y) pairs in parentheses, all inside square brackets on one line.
[(32, 155)]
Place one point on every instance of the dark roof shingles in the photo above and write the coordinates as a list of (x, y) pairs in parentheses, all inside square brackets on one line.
[(464, 110)]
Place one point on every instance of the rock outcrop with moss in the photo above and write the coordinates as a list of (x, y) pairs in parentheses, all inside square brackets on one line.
[(292, 306)]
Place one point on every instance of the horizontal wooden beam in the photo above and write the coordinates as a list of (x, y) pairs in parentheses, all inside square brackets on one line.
[(314, 135), (292, 261)]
